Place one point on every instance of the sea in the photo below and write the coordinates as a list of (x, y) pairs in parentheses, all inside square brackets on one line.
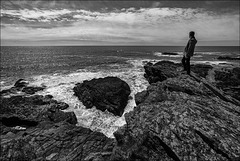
[(59, 68)]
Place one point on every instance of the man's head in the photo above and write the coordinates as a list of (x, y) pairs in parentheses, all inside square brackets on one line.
[(191, 34)]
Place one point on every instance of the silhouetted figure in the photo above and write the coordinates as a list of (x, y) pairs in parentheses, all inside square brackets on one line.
[(188, 52)]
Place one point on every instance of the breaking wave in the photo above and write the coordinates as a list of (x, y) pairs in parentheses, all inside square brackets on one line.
[(60, 86)]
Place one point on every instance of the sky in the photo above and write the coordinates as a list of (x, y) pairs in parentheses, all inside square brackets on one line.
[(161, 23)]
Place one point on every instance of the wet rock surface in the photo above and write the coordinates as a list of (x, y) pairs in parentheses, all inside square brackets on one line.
[(21, 86), (180, 118), (110, 93)]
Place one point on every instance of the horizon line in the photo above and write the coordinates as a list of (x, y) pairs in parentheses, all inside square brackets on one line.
[(116, 45)]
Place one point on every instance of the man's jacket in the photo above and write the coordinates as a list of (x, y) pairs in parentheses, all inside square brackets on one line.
[(189, 49)]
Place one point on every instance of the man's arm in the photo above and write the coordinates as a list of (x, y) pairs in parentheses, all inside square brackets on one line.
[(191, 47)]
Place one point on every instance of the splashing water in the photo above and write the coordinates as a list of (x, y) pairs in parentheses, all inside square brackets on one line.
[(61, 88)]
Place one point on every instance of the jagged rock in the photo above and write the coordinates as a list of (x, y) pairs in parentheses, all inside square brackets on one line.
[(29, 111), (190, 120), (21, 83), (62, 105), (33, 128), (140, 97), (160, 71), (110, 93), (178, 117), (229, 81), (21, 86), (32, 90), (201, 69), (55, 141)]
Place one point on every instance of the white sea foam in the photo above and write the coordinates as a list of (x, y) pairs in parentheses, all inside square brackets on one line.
[(179, 54), (211, 62), (163, 55), (60, 86), (209, 53)]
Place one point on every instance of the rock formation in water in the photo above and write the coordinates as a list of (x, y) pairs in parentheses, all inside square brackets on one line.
[(228, 58), (167, 53), (110, 93), (21, 86)]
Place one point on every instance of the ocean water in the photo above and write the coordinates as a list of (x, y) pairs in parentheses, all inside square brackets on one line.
[(60, 68)]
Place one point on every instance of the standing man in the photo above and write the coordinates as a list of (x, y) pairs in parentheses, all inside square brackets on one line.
[(188, 52)]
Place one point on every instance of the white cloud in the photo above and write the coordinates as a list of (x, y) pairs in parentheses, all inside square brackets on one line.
[(26, 14), (150, 25), (124, 15)]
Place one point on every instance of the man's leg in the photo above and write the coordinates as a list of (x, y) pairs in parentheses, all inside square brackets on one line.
[(188, 65), (184, 63)]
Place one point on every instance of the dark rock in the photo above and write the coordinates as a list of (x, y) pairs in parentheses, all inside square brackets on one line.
[(189, 121), (21, 86), (55, 115), (12, 90), (140, 97), (229, 81), (160, 71), (167, 53), (16, 121), (179, 117), (22, 111), (56, 141), (110, 93), (32, 90), (201, 69), (48, 96), (62, 105), (228, 58), (34, 128), (21, 83)]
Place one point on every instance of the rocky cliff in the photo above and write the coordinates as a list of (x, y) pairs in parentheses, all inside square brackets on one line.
[(178, 117)]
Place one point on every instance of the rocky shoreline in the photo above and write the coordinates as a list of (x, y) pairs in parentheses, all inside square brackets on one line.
[(178, 117)]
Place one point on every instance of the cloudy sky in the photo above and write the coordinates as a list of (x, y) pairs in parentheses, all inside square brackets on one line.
[(119, 22)]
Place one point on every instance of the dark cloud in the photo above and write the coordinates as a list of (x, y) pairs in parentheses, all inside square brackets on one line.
[(103, 5)]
